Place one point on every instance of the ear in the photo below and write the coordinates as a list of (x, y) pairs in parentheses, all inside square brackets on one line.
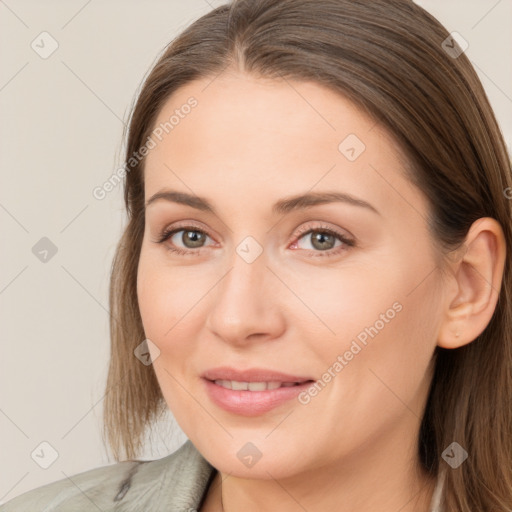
[(477, 277)]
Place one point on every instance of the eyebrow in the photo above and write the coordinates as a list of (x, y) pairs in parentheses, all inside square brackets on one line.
[(283, 206)]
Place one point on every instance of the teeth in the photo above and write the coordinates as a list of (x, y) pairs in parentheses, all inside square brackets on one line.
[(252, 386), (258, 386), (239, 386)]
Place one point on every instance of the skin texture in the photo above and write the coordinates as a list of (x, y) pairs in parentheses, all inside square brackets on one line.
[(247, 144)]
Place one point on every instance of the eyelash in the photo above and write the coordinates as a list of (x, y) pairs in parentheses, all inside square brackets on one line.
[(168, 233)]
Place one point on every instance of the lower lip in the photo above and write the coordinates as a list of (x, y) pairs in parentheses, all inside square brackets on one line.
[(252, 403)]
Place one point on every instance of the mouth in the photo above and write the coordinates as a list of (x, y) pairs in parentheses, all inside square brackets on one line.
[(255, 386), (254, 396), (225, 374)]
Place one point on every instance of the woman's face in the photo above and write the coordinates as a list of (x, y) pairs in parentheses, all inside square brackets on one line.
[(342, 290)]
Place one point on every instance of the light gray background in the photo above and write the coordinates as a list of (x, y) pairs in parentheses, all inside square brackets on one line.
[(61, 135)]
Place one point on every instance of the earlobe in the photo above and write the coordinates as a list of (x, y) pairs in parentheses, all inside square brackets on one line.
[(478, 275)]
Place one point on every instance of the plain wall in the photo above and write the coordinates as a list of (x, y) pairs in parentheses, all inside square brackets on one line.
[(61, 133)]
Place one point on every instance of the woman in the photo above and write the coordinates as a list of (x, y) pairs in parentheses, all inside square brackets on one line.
[(317, 264)]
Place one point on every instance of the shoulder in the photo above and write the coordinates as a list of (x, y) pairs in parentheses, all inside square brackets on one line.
[(175, 482)]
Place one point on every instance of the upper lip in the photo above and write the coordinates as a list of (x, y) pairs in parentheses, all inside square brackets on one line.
[(251, 375)]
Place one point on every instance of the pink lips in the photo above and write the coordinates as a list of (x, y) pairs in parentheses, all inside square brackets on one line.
[(251, 403)]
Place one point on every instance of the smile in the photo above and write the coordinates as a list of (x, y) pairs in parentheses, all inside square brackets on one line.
[(253, 386), (245, 398)]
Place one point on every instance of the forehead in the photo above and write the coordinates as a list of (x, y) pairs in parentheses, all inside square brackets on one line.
[(254, 110), (248, 136)]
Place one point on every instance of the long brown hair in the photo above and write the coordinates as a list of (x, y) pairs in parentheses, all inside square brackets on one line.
[(388, 57)]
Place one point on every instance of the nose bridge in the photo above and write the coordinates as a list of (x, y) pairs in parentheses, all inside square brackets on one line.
[(243, 303), (244, 285)]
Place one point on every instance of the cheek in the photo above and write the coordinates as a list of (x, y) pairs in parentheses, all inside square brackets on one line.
[(164, 295), (164, 302), (161, 302), (172, 305), (385, 354), (384, 326)]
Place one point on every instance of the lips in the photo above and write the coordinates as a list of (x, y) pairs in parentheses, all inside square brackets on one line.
[(252, 392)]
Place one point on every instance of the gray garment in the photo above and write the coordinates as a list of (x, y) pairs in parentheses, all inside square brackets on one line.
[(176, 483)]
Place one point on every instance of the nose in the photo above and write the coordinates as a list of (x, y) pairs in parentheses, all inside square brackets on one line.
[(246, 303)]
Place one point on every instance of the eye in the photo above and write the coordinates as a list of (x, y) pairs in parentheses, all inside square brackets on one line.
[(322, 240), (191, 237)]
